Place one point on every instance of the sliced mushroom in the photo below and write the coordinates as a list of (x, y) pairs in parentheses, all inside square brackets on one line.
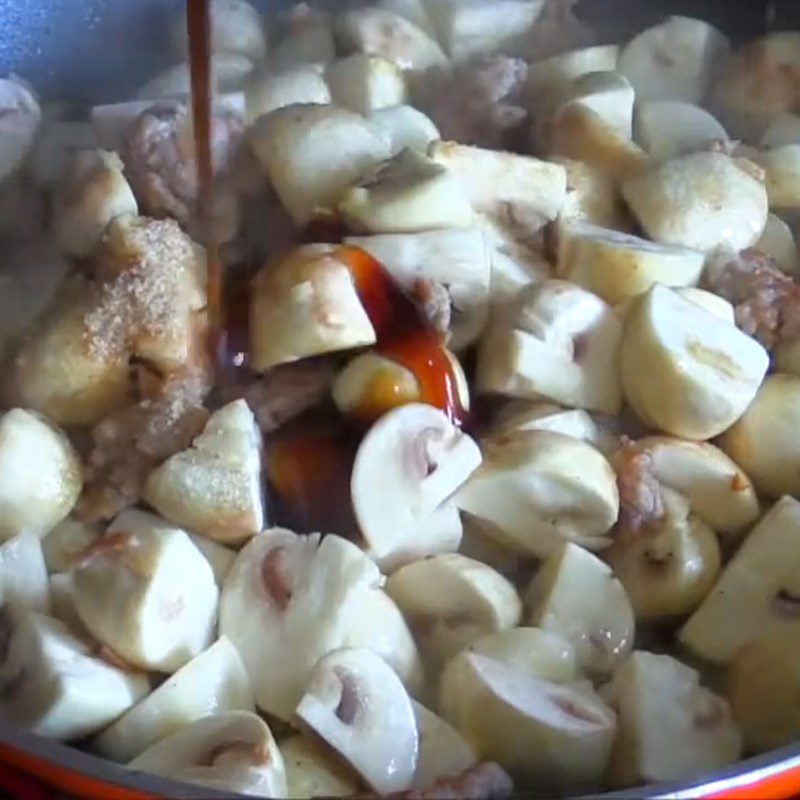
[(782, 167), (676, 60), (40, 474), (365, 83), (713, 303), (359, 707), (404, 127), (94, 192), (618, 266), (703, 200), (778, 242), (306, 37), (551, 736), (146, 592), (460, 260), (522, 190), (670, 727), (539, 488), (64, 544), (557, 342), (20, 115), (576, 595), (51, 682), (23, 573), (56, 143), (214, 487), (667, 129), (380, 32), (214, 682), (311, 772), (757, 593), (668, 568), (783, 130), (450, 601), (407, 194), (763, 685), (219, 557), (608, 94), (233, 753), (685, 371), (229, 73), (62, 604), (443, 751), (592, 197), (305, 304), (429, 459), (268, 90), (415, 11), (293, 596), (312, 153)]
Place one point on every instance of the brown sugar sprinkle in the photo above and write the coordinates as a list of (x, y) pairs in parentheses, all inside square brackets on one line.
[(151, 296)]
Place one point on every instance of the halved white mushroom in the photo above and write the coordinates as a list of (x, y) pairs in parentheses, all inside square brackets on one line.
[(94, 191), (763, 684), (63, 545), (51, 682), (146, 592), (312, 153), (311, 772), (757, 593), (670, 128), (356, 703), (713, 303), (305, 304), (703, 200), (293, 596), (608, 94), (668, 568), (214, 487), (23, 573), (480, 543), (783, 130), (778, 242), (365, 83), (443, 751), (782, 166), (212, 683), (450, 601), (233, 753), (460, 260), (62, 604), (537, 488), (581, 134), (553, 736), (415, 11), (684, 370), (407, 194), (758, 84), (40, 474), (542, 654), (617, 266), (20, 115), (592, 197), (429, 459), (521, 190), (405, 127), (229, 73), (467, 28), (576, 595), (557, 342), (670, 727), (676, 60), (219, 557), (380, 32), (267, 90), (236, 27), (306, 37)]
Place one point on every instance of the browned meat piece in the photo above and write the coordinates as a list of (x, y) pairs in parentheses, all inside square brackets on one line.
[(641, 506), (479, 103), (485, 781), (160, 164), (766, 300), (129, 444), (286, 392), (436, 305)]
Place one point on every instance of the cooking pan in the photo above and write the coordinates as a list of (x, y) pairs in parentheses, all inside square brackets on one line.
[(89, 51)]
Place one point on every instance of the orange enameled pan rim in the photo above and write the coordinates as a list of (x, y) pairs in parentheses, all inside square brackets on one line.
[(773, 776)]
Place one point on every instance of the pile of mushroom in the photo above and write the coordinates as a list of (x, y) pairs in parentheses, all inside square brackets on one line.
[(504, 495)]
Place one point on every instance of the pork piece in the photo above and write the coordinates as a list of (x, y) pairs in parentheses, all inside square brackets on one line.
[(286, 392), (766, 300), (159, 157), (128, 445), (479, 103), (485, 781), (641, 505)]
